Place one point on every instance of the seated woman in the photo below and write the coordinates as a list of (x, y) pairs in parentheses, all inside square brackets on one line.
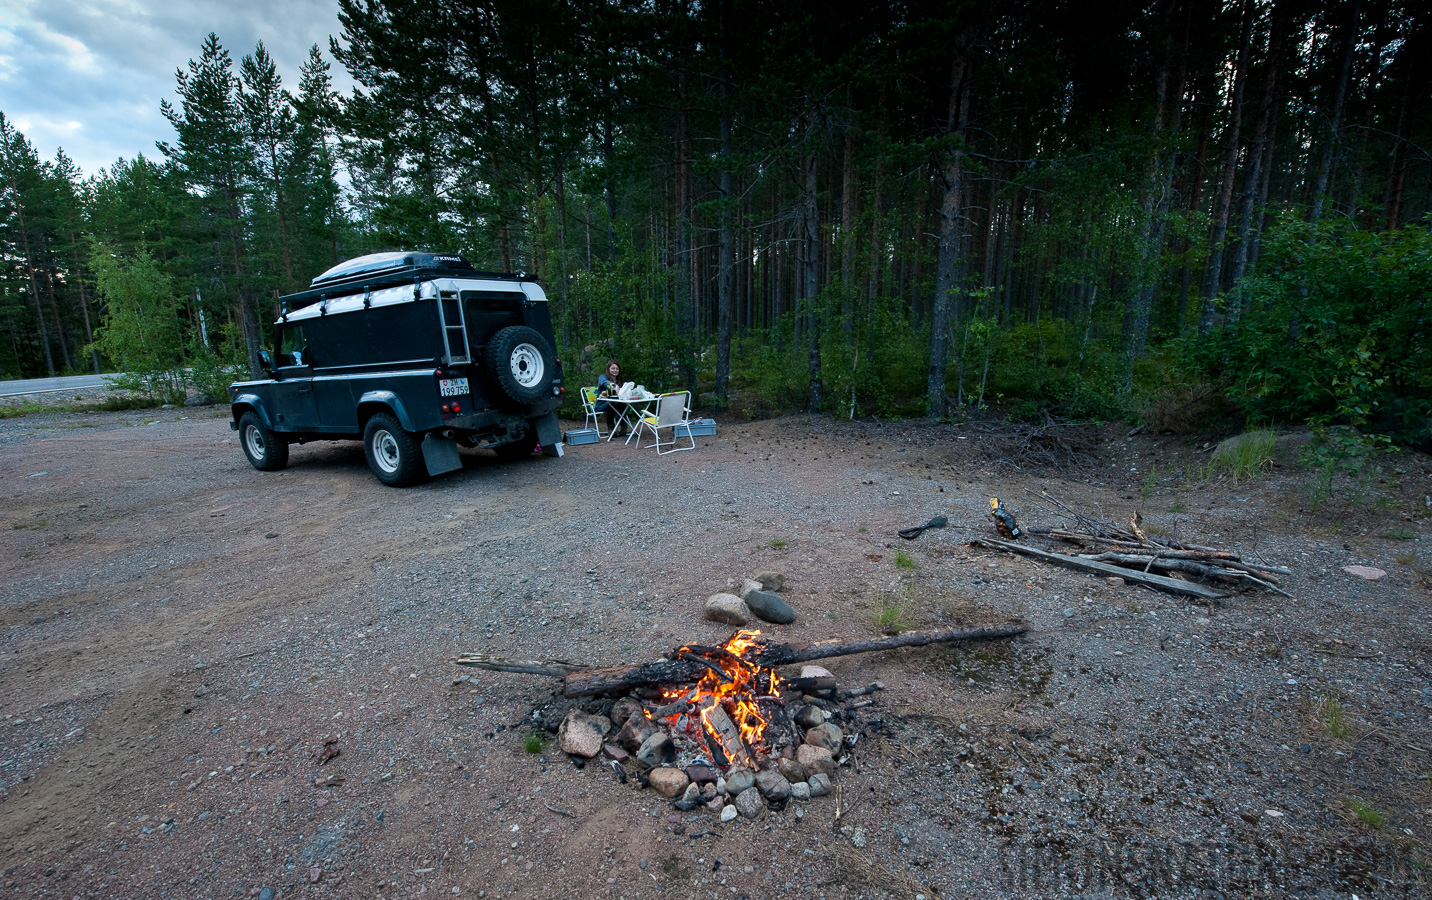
[(608, 383)]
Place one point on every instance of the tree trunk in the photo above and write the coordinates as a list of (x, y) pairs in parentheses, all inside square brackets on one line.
[(726, 268), (1253, 180), (610, 189), (1325, 167), (951, 175), (34, 282), (810, 262), (59, 320), (1213, 274)]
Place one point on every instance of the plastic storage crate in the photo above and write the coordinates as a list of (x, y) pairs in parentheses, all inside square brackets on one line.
[(697, 428), (582, 436)]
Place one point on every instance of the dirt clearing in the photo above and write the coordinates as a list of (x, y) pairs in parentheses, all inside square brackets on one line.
[(217, 681)]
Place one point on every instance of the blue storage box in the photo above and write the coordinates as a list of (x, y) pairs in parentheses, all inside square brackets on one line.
[(697, 428), (583, 436)]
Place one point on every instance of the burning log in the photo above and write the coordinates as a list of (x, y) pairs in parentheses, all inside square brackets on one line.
[(619, 679), (723, 738)]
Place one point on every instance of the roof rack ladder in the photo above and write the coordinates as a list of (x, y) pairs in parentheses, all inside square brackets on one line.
[(454, 325)]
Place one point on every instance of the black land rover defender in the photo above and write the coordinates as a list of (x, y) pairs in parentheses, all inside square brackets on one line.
[(414, 354)]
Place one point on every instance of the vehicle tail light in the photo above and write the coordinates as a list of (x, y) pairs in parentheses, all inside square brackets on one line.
[(447, 408), (457, 407)]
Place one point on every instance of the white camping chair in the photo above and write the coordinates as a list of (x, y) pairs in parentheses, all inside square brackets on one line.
[(671, 412), (589, 406)]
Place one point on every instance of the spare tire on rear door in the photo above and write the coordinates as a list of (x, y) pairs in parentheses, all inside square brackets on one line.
[(521, 362)]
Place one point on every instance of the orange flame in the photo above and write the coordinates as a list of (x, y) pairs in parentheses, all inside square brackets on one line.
[(744, 684)]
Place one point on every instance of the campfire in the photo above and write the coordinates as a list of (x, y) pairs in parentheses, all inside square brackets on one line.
[(731, 710), (719, 726)]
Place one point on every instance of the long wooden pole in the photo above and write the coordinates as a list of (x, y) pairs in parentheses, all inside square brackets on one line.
[(580, 681)]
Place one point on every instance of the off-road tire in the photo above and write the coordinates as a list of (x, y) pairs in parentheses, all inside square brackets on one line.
[(393, 454), (266, 451), (521, 363)]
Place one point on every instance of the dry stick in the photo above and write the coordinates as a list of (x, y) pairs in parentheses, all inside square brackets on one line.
[(554, 667), (1103, 568), (1173, 565), (714, 670)]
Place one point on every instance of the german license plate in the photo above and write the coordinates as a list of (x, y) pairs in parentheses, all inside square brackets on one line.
[(452, 387)]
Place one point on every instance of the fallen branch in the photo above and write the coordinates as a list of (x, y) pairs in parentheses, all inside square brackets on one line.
[(619, 679), (1103, 568), (554, 667), (1190, 566)]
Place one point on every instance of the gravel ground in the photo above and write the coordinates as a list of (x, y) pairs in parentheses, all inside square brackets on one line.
[(188, 642)]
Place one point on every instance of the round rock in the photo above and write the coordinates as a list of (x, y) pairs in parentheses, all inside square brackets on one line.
[(819, 785), (814, 759), (750, 586), (772, 785), (749, 803), (770, 607), (791, 770), (658, 750), (728, 609), (810, 717), (827, 736), (634, 733), (800, 791), (728, 813), (771, 581), (816, 672), (623, 710), (668, 782), (739, 780), (581, 734)]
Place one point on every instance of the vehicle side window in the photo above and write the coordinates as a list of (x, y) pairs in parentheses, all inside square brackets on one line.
[(294, 347)]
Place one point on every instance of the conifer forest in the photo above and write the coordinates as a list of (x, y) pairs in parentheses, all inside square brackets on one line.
[(1215, 209)]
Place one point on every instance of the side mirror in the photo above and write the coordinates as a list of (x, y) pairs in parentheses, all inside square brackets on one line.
[(266, 361)]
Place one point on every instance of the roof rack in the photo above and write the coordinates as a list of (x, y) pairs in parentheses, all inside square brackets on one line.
[(385, 270)]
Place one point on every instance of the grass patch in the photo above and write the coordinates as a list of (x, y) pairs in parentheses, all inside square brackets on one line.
[(1406, 558), (1151, 480), (534, 742), (892, 617), (1176, 508), (109, 404), (1398, 534), (776, 544), (904, 560), (1367, 812), (1244, 457), (862, 529), (1334, 717)]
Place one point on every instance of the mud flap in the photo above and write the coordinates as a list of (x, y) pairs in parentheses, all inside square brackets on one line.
[(549, 434), (440, 454)]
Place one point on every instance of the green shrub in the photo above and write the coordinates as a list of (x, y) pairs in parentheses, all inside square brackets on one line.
[(1245, 456)]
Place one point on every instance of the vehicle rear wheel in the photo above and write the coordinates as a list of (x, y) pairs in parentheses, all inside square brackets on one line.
[(266, 451), (522, 363), (393, 454)]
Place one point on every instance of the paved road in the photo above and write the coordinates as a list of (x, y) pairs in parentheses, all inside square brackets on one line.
[(24, 386)]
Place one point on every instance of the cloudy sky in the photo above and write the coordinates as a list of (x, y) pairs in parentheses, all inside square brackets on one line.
[(88, 75)]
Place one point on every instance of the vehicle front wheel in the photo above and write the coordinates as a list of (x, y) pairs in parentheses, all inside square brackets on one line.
[(266, 451), (393, 454)]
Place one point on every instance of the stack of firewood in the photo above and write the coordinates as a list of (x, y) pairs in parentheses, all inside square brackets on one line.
[(1132, 553)]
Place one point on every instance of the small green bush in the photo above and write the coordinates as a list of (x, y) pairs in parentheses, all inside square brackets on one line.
[(1245, 456)]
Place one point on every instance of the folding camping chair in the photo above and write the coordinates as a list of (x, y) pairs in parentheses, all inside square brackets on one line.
[(589, 406), (671, 412)]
